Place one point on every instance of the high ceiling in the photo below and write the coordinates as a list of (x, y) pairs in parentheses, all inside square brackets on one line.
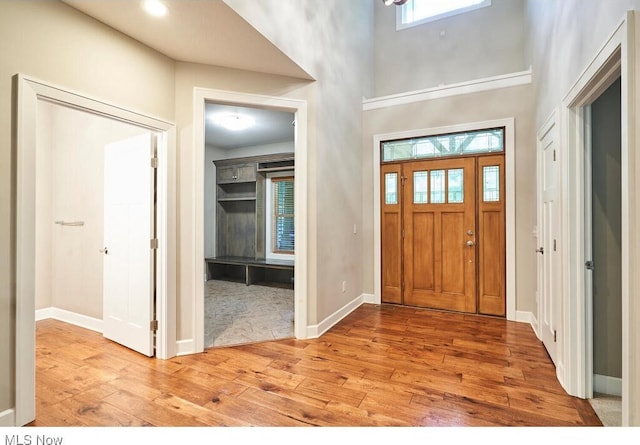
[(206, 32)]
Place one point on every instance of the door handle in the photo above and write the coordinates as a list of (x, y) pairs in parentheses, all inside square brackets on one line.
[(540, 250), (105, 251)]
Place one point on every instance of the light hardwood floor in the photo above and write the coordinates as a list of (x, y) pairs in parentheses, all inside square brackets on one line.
[(380, 366)]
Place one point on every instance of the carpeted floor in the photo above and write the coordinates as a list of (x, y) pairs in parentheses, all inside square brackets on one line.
[(239, 314), (608, 409)]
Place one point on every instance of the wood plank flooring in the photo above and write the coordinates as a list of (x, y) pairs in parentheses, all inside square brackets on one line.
[(380, 366)]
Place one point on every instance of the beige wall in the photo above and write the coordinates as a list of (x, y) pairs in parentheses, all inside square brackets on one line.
[(513, 102), (482, 43), (50, 41), (333, 41), (188, 76)]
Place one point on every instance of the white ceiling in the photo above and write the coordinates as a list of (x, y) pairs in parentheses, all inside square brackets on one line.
[(197, 31), (271, 127), (206, 32)]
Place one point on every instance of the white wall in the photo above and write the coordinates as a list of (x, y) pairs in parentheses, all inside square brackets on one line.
[(70, 187), (564, 36), (482, 43)]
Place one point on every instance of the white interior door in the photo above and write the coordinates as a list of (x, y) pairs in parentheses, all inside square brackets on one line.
[(548, 229), (128, 298)]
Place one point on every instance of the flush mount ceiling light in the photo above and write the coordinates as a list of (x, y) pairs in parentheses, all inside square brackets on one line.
[(233, 122), (155, 8), (394, 2)]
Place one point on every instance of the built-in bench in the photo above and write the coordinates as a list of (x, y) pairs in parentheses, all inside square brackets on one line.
[(250, 270)]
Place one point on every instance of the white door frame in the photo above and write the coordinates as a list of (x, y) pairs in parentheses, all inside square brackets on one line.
[(29, 92), (299, 108), (616, 58), (509, 153)]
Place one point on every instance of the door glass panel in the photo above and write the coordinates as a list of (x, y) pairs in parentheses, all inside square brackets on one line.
[(437, 187), (456, 185), (491, 183), (420, 187), (391, 188)]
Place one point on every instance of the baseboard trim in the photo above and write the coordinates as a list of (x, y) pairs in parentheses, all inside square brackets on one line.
[(8, 418), (185, 347), (604, 384), (83, 321), (369, 299), (315, 331)]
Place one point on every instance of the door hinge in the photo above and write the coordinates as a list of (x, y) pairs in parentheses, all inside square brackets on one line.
[(402, 233), (154, 162), (554, 155), (154, 325), (555, 336), (402, 286), (554, 246), (154, 243)]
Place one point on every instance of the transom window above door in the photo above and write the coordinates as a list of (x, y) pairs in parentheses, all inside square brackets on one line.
[(445, 145)]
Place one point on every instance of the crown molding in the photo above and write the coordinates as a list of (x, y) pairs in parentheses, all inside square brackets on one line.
[(456, 89)]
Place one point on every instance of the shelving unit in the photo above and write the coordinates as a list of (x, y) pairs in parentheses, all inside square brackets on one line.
[(241, 220)]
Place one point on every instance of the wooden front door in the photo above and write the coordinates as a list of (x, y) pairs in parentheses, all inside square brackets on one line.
[(439, 221), (443, 234)]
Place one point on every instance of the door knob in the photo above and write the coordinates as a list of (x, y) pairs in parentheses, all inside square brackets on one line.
[(470, 243), (105, 251), (540, 250)]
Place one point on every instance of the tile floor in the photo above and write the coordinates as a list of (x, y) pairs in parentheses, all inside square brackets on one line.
[(238, 314), (608, 409)]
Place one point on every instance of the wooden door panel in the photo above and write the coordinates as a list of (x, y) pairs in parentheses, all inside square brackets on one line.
[(453, 267), (439, 267), (423, 251), (491, 231), (391, 255)]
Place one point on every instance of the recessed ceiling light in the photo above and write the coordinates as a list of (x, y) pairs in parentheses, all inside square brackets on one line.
[(155, 7), (233, 122)]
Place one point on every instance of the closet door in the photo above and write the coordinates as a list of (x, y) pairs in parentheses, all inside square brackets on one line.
[(440, 234), (128, 281)]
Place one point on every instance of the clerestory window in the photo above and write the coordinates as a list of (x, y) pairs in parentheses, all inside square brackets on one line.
[(417, 12)]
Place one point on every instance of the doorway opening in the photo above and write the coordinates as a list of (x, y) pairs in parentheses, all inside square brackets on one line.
[(204, 266), (614, 62), (508, 125), (443, 222), (32, 96), (249, 224), (603, 246)]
